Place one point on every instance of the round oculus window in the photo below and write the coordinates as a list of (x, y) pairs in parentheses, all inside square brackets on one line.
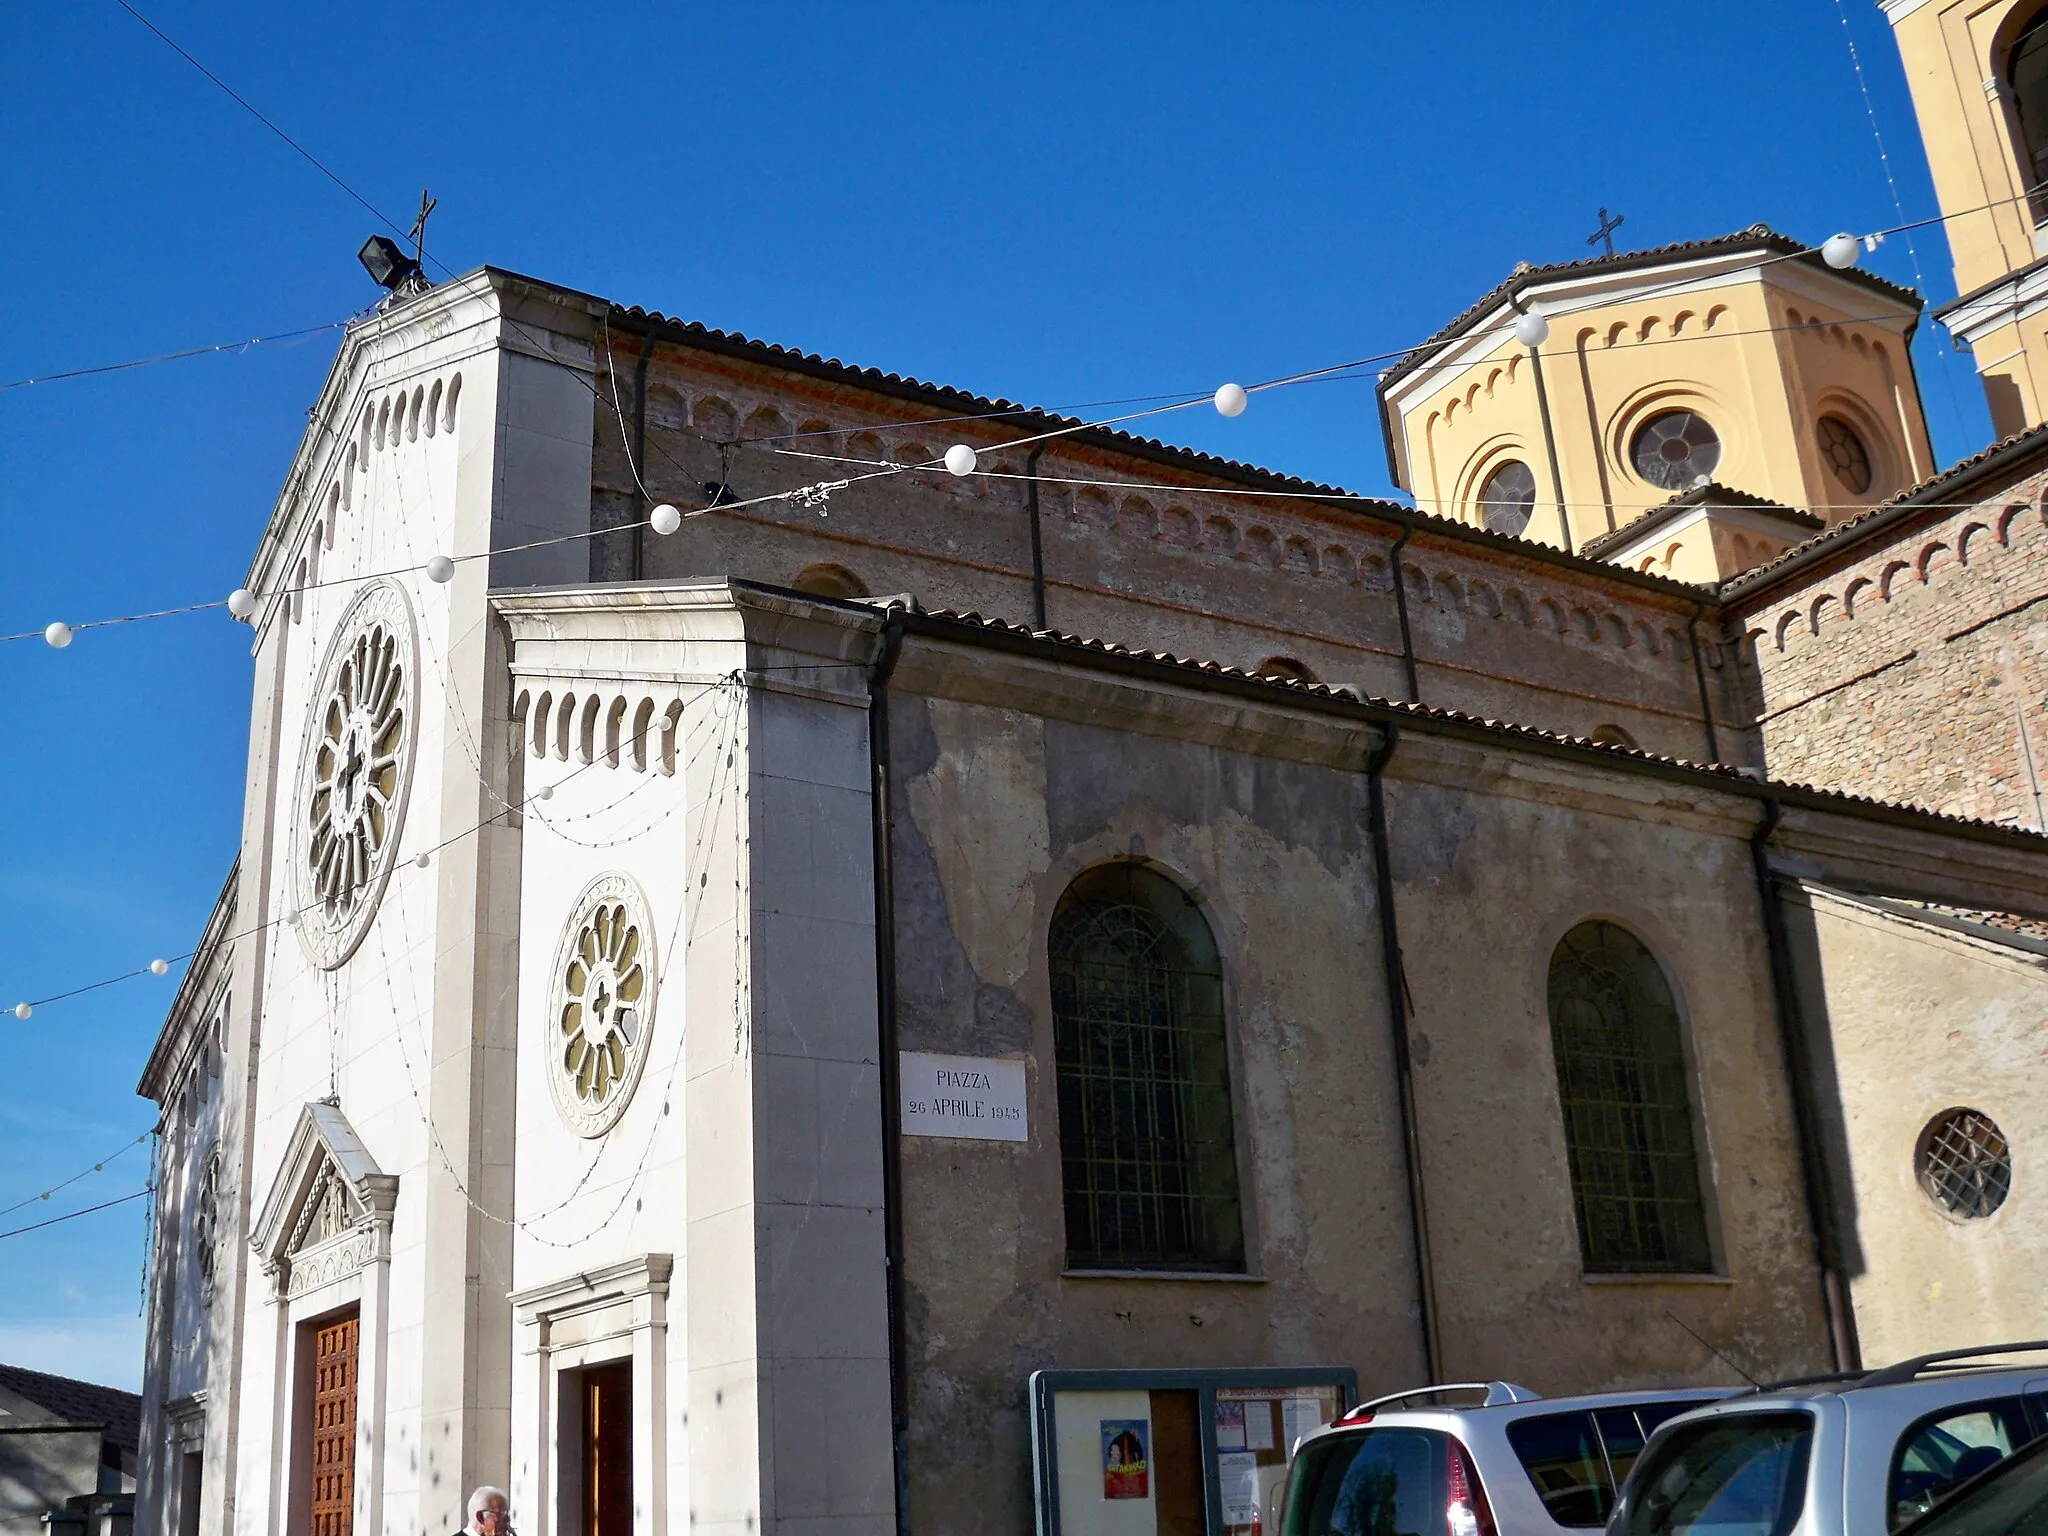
[(1964, 1163), (603, 1005), (1843, 452), (1675, 450), (356, 772), (1508, 498)]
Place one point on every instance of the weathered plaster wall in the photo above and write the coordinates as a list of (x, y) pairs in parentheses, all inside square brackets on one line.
[(39, 1470), (997, 808), (995, 812), (1913, 668), (1912, 1019), (1494, 861)]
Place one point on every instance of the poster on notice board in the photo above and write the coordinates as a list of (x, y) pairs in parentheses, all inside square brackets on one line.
[(1124, 1462)]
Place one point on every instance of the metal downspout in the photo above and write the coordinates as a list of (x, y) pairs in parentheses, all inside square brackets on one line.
[(1401, 608), (1404, 1063), (891, 1070), (1699, 672), (640, 455), (1813, 1171), (1564, 524), (1037, 543)]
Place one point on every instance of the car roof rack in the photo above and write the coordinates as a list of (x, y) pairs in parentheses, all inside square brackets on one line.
[(1908, 1370), (1818, 1379), (1496, 1393)]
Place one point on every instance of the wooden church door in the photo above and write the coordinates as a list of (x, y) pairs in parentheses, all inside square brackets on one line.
[(334, 1426)]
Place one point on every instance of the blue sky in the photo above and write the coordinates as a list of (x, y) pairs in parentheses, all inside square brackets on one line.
[(1057, 204)]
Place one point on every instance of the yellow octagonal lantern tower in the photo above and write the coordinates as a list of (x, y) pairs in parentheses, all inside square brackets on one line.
[(1739, 388)]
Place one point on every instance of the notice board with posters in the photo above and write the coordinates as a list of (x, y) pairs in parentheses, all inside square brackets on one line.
[(1171, 1453)]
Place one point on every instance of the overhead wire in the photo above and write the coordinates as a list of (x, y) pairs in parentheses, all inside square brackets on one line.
[(107, 1205), (173, 357)]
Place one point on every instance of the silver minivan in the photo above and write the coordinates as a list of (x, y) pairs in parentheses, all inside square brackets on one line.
[(1477, 1459), (1864, 1453)]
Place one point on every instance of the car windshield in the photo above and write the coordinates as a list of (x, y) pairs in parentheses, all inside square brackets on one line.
[(1372, 1483), (1742, 1475), (2009, 1500)]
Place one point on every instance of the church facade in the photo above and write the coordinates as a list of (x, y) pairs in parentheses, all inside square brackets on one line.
[(797, 1021), (620, 921)]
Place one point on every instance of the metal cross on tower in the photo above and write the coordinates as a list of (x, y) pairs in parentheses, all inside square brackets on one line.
[(418, 233), (1604, 235)]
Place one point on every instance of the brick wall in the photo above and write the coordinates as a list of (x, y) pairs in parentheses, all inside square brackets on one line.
[(1173, 563), (1911, 667)]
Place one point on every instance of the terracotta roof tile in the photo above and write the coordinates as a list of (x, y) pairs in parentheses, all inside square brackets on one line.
[(67, 1401), (1757, 236), (1504, 728)]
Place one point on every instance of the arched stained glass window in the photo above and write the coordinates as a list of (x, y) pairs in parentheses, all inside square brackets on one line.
[(1622, 1080), (1148, 1158), (2026, 75)]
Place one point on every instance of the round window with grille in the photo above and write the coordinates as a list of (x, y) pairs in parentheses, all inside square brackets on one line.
[(1675, 449), (1964, 1163), (1508, 498)]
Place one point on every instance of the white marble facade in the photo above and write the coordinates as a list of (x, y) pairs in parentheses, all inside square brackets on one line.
[(392, 971)]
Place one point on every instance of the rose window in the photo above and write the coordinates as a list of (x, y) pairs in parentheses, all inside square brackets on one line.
[(357, 772), (1675, 450), (604, 980), (1508, 498)]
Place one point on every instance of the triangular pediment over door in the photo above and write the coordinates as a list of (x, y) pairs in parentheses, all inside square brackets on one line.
[(328, 1213)]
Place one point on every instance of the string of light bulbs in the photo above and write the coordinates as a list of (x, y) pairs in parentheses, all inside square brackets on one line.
[(1230, 400), (98, 1167), (424, 857)]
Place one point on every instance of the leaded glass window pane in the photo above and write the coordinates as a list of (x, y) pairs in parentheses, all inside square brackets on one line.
[(1148, 1157), (1623, 1083), (1675, 450), (1508, 498)]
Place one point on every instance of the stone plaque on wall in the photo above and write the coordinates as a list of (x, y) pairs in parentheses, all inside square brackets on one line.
[(976, 1098)]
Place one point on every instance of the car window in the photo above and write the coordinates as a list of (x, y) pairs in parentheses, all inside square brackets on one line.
[(1950, 1446), (1740, 1475), (1373, 1483), (1623, 1430), (2010, 1500), (1561, 1454)]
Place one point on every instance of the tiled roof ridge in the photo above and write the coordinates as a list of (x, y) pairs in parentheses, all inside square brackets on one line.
[(1713, 494), (1730, 772), (1913, 496), (1759, 234)]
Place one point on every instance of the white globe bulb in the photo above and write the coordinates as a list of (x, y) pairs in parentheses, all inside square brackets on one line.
[(665, 519), (440, 568), (545, 792), (292, 918), (241, 604), (22, 1010), (58, 635), (425, 858), (158, 967), (960, 460), (1840, 251), (1532, 329), (1230, 399)]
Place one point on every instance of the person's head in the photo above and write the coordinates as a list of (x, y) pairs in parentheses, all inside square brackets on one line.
[(490, 1512)]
